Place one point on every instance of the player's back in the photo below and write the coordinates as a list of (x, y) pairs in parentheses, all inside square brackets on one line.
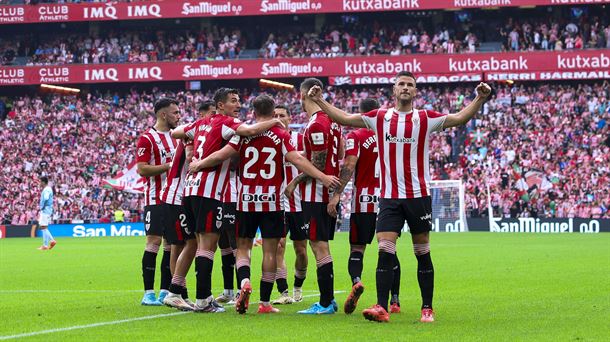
[(366, 176), (321, 135), (362, 143), (213, 134), (262, 170)]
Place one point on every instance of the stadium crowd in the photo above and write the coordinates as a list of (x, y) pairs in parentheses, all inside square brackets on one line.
[(354, 37), (544, 150)]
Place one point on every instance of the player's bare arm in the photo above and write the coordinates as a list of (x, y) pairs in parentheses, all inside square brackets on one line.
[(178, 132), (147, 170), (213, 159), (347, 171), (308, 168), (318, 159), (258, 128), (483, 91), (336, 114)]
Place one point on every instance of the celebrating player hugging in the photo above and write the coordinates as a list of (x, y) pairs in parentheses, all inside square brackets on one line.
[(226, 180)]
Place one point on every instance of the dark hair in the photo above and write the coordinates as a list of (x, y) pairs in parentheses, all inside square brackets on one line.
[(310, 82), (263, 105), (206, 105), (222, 95), (367, 105), (284, 108), (406, 73), (44, 179), (164, 102)]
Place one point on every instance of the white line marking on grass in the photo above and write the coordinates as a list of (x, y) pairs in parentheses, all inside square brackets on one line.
[(66, 291), (87, 326), (94, 325)]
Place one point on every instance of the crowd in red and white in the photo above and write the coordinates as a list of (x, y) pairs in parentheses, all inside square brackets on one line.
[(543, 150)]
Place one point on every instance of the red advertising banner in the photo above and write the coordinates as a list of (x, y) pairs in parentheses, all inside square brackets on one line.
[(538, 65), (44, 13), (2, 232)]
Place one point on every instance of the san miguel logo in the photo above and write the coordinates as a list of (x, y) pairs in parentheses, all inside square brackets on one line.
[(287, 68), (290, 6), (206, 7), (210, 70)]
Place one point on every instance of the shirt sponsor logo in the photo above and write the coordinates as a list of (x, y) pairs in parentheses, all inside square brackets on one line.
[(396, 140), (258, 198)]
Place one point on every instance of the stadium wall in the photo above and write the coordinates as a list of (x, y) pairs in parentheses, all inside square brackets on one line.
[(506, 225), (439, 68), (88, 11)]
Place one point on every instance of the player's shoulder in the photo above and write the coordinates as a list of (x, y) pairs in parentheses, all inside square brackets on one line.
[(431, 113), (376, 112)]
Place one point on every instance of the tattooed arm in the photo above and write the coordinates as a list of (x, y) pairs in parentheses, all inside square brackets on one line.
[(347, 170), (318, 159)]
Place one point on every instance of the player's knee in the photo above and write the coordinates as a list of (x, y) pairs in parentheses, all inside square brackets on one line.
[(357, 248), (421, 248), (387, 246)]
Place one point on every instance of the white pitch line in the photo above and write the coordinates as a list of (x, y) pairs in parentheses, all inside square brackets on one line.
[(94, 325)]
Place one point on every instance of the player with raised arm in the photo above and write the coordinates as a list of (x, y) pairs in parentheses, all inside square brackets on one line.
[(323, 146), (293, 219), (403, 134), (155, 150), (204, 187), (360, 155), (259, 203)]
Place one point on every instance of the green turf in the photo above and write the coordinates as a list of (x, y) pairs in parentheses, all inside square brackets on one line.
[(488, 287)]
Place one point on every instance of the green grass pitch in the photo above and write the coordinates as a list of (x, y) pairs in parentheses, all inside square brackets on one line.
[(488, 287)]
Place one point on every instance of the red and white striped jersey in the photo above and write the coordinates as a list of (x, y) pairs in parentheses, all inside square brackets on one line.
[(173, 186), (403, 140), (155, 148), (362, 143), (214, 132), (261, 170), (321, 134), (229, 194), (292, 205)]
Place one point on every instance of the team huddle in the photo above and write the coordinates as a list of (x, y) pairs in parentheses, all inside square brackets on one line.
[(214, 182)]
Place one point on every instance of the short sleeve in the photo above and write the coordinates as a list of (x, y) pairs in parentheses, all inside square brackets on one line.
[(435, 120), (143, 150), (352, 147), (229, 126), (234, 142), (190, 129), (317, 137), (370, 119), (287, 144)]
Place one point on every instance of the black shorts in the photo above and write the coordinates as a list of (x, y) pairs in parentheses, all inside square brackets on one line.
[(175, 224), (416, 211), (271, 224), (203, 213), (296, 226), (153, 220), (228, 235), (362, 228), (321, 226), (229, 212)]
